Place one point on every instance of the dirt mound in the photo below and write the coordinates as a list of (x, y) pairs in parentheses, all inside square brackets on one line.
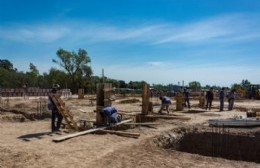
[(129, 101)]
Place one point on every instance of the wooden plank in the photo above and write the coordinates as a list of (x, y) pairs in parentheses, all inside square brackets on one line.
[(147, 123), (129, 113), (131, 134), (59, 139), (167, 117)]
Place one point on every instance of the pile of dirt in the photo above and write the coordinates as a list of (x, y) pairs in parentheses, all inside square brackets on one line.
[(134, 100)]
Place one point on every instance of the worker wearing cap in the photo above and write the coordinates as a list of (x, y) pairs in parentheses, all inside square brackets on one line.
[(55, 125)]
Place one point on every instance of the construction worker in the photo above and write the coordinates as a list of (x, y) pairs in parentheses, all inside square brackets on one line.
[(186, 95), (55, 126), (231, 99), (221, 98), (111, 114), (166, 101), (209, 98)]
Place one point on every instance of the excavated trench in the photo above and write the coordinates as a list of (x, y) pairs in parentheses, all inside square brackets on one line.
[(214, 142), (20, 116)]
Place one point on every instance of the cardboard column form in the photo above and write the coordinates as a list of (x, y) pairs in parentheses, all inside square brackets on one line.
[(179, 101), (81, 94), (202, 100), (145, 99), (103, 99)]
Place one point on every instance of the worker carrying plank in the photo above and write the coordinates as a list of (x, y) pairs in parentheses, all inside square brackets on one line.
[(55, 125), (111, 114)]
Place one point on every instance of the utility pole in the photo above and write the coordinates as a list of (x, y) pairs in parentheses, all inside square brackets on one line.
[(103, 80)]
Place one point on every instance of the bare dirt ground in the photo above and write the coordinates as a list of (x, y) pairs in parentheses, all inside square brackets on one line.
[(27, 143)]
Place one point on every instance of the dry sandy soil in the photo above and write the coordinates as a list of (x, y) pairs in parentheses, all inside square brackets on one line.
[(27, 143)]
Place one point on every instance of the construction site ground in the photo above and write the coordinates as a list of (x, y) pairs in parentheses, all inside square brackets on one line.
[(27, 143)]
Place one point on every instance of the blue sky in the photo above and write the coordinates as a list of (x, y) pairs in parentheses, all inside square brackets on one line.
[(215, 42)]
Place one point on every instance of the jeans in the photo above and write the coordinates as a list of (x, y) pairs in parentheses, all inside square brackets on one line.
[(221, 105), (231, 104), (55, 126), (209, 104), (186, 100)]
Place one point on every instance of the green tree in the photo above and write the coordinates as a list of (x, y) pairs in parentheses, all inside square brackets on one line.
[(76, 65), (56, 76), (136, 84), (122, 84), (32, 76), (195, 86), (245, 83), (6, 64)]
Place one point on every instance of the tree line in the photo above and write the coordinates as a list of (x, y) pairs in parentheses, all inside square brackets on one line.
[(76, 73)]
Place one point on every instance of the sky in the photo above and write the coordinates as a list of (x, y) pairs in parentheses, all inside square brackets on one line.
[(215, 42)]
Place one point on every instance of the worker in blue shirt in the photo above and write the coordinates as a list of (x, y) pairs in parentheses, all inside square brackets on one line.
[(166, 101), (111, 114), (186, 95), (221, 98)]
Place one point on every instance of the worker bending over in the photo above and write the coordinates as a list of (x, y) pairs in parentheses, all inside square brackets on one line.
[(165, 103), (111, 115)]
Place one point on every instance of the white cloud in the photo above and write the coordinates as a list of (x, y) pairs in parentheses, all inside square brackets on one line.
[(220, 28), (217, 29), (34, 33), (157, 64)]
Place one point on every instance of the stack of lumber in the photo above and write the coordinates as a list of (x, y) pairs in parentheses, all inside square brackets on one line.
[(64, 111)]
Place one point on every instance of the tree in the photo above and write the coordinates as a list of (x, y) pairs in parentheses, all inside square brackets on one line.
[(32, 75), (194, 86), (76, 65), (6, 64), (245, 83), (122, 84), (56, 76)]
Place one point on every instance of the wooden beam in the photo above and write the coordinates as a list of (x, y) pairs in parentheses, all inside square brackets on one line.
[(62, 138), (167, 117), (147, 123), (128, 134), (130, 113)]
